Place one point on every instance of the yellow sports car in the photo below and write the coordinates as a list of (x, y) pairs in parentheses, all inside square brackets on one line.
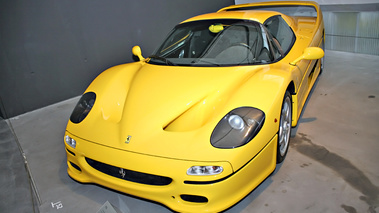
[(204, 120)]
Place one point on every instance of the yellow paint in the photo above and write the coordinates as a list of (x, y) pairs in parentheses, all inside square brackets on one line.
[(158, 119)]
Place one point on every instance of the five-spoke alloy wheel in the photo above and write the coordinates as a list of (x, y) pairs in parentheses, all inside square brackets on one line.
[(284, 127)]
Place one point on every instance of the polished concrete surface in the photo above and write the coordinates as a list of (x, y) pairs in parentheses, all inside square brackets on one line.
[(16, 191), (331, 166)]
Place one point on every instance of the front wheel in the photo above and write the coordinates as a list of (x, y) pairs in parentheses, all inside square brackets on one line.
[(284, 128)]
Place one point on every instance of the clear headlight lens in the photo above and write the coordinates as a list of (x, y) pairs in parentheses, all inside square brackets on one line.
[(70, 141), (204, 170), (238, 127), (236, 122), (83, 107)]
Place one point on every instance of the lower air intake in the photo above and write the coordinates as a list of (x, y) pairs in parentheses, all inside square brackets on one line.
[(129, 175), (194, 198)]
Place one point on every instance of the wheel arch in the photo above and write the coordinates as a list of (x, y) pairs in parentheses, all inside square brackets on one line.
[(292, 90)]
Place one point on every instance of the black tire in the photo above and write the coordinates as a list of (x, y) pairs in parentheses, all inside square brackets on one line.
[(285, 123)]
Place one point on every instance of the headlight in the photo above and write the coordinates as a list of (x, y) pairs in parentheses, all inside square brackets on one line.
[(204, 170), (238, 127), (70, 141), (83, 107)]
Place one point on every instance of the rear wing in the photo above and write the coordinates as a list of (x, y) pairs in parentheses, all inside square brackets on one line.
[(289, 8)]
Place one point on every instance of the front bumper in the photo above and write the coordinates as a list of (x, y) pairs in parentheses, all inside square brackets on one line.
[(164, 180)]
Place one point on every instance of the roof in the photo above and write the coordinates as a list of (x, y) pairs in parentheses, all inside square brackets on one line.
[(245, 12)]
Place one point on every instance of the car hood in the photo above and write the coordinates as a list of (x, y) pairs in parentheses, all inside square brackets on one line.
[(157, 110)]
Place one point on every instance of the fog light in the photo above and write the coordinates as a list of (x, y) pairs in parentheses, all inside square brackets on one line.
[(204, 170), (70, 141)]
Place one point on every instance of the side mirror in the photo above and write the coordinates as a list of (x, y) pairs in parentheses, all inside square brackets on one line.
[(310, 53), (137, 52)]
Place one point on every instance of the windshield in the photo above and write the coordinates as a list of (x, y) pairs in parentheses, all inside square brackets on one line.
[(214, 43)]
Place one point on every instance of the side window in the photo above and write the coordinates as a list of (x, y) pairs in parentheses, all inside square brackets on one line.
[(280, 31), (276, 48)]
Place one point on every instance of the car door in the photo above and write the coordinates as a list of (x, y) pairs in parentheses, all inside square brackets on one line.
[(285, 37)]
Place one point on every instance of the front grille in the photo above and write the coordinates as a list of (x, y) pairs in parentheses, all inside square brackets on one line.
[(129, 175)]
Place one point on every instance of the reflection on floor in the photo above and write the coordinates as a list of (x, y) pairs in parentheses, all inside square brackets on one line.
[(331, 165)]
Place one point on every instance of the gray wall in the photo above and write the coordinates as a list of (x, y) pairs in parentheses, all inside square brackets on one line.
[(320, 2), (350, 25), (50, 50), (352, 28)]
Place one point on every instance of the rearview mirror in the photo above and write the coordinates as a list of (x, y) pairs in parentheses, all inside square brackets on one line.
[(137, 52), (310, 53), (216, 28)]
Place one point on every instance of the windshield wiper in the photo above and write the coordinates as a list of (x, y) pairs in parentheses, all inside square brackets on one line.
[(160, 58)]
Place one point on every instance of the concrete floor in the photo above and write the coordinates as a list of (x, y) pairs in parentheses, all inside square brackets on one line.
[(331, 166)]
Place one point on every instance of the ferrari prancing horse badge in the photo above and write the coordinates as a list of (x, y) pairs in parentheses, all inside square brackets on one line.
[(128, 139)]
